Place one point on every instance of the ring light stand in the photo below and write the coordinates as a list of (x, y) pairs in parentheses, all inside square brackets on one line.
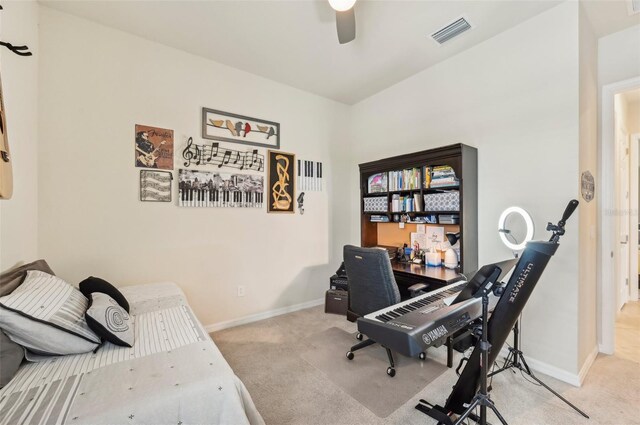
[(515, 359), (505, 233), (471, 390)]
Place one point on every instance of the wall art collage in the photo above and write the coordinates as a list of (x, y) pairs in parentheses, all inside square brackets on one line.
[(225, 170)]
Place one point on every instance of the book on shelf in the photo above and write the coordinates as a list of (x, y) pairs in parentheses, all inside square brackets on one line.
[(440, 176), (377, 218), (408, 179), (417, 202), (410, 203)]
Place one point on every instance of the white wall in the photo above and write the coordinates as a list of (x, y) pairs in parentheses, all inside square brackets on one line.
[(515, 98), (587, 273), (18, 215), (96, 83), (619, 56)]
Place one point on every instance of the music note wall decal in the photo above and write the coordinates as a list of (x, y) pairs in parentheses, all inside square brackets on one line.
[(213, 154)]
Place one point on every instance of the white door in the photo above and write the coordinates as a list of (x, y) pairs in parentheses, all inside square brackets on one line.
[(622, 144)]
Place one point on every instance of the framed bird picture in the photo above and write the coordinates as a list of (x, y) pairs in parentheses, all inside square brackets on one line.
[(228, 127)]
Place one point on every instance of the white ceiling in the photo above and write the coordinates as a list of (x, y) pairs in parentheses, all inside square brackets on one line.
[(295, 42)]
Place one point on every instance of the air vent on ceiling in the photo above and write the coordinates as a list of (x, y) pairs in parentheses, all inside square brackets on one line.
[(452, 30), (634, 6)]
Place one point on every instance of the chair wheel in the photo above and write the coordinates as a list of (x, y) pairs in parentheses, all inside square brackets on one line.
[(422, 355), (391, 371), (359, 336), (350, 355)]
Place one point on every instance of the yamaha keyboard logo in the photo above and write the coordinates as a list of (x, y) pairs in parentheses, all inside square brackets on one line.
[(434, 334)]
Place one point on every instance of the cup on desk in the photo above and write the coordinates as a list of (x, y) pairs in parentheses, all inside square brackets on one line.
[(433, 259)]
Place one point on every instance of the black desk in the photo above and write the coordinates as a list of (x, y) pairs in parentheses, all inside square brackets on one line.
[(408, 274)]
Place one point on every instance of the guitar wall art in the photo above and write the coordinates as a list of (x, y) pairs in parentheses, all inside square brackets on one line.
[(153, 147)]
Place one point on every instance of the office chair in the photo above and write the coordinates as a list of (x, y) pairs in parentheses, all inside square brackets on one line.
[(372, 287)]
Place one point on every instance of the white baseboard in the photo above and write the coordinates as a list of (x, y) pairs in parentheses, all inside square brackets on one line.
[(261, 316), (587, 364), (554, 371), (604, 349)]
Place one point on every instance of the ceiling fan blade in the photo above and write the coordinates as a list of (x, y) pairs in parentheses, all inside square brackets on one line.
[(346, 25)]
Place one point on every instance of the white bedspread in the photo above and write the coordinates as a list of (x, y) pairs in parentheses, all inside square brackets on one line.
[(174, 374)]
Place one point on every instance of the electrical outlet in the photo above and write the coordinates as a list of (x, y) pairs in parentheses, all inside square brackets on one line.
[(241, 290)]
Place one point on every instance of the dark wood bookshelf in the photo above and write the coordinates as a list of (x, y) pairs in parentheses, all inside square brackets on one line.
[(464, 161)]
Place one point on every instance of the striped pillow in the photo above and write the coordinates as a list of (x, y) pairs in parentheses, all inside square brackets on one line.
[(46, 315)]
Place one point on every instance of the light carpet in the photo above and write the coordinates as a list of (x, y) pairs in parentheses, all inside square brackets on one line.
[(365, 377), (288, 390)]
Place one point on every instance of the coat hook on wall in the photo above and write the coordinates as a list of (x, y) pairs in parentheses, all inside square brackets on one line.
[(18, 50)]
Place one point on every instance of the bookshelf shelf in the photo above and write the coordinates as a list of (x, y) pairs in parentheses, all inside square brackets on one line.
[(461, 158)]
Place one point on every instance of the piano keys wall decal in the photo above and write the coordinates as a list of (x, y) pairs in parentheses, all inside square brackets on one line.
[(209, 189), (155, 186), (213, 154), (309, 176)]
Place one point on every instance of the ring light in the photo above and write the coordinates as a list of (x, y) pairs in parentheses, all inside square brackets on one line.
[(503, 231)]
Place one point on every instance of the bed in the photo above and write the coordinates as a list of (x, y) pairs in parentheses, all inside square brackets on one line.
[(173, 374)]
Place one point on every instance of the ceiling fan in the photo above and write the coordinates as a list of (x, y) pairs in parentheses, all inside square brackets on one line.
[(345, 19)]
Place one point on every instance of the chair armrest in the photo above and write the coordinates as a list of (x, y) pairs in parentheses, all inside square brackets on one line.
[(416, 289)]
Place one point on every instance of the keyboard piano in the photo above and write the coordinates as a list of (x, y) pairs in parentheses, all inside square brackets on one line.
[(412, 326), (219, 198)]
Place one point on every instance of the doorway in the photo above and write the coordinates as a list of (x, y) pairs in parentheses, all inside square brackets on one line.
[(618, 205)]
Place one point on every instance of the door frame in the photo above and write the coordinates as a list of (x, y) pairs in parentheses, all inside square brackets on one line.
[(607, 288), (634, 200)]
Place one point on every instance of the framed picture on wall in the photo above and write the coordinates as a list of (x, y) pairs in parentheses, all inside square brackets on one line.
[(234, 128), (154, 147), (155, 186), (280, 177)]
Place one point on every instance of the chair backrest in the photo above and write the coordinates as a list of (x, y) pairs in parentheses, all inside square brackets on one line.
[(372, 285)]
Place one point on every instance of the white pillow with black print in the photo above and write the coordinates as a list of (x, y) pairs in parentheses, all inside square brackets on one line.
[(46, 316), (109, 320)]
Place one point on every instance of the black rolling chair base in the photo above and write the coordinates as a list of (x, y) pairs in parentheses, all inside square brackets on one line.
[(391, 371)]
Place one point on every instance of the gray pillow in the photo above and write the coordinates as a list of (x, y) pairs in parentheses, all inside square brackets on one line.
[(11, 355), (11, 279), (46, 315), (109, 320)]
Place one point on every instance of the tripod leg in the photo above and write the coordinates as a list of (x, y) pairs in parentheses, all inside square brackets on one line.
[(530, 373), (466, 413), (495, 410)]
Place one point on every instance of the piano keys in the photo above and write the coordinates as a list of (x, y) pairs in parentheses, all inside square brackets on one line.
[(206, 189), (412, 326), (212, 198)]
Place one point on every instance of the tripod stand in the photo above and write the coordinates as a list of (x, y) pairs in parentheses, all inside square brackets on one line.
[(515, 360), (482, 397)]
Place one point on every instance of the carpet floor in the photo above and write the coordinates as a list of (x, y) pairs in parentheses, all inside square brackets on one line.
[(269, 357)]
